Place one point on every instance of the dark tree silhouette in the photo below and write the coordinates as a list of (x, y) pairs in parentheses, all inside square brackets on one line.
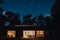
[(2, 21), (33, 20), (12, 19), (15, 21), (48, 22), (28, 20), (49, 27), (41, 19), (56, 13), (56, 17), (1, 1), (1, 11)]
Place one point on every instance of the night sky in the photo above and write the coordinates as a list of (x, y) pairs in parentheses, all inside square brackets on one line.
[(23, 7)]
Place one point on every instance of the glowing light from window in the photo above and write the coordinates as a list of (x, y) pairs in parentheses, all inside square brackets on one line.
[(11, 33), (40, 33), (28, 33)]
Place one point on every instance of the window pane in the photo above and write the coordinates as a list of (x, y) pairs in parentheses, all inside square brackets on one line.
[(11, 33), (28, 34), (39, 33)]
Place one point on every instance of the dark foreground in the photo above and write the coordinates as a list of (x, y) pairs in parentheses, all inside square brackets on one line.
[(25, 39), (21, 39)]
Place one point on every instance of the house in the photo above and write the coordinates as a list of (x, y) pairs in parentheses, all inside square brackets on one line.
[(28, 32)]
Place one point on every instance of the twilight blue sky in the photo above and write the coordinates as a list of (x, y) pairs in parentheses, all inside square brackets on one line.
[(23, 7)]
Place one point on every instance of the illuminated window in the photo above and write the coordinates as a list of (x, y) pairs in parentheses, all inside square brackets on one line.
[(28, 33), (11, 33), (39, 33)]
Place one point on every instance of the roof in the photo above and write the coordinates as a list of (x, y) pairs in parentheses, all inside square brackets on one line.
[(29, 27)]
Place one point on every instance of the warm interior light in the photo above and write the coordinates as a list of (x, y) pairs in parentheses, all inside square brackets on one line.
[(11, 33), (40, 33), (28, 33)]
